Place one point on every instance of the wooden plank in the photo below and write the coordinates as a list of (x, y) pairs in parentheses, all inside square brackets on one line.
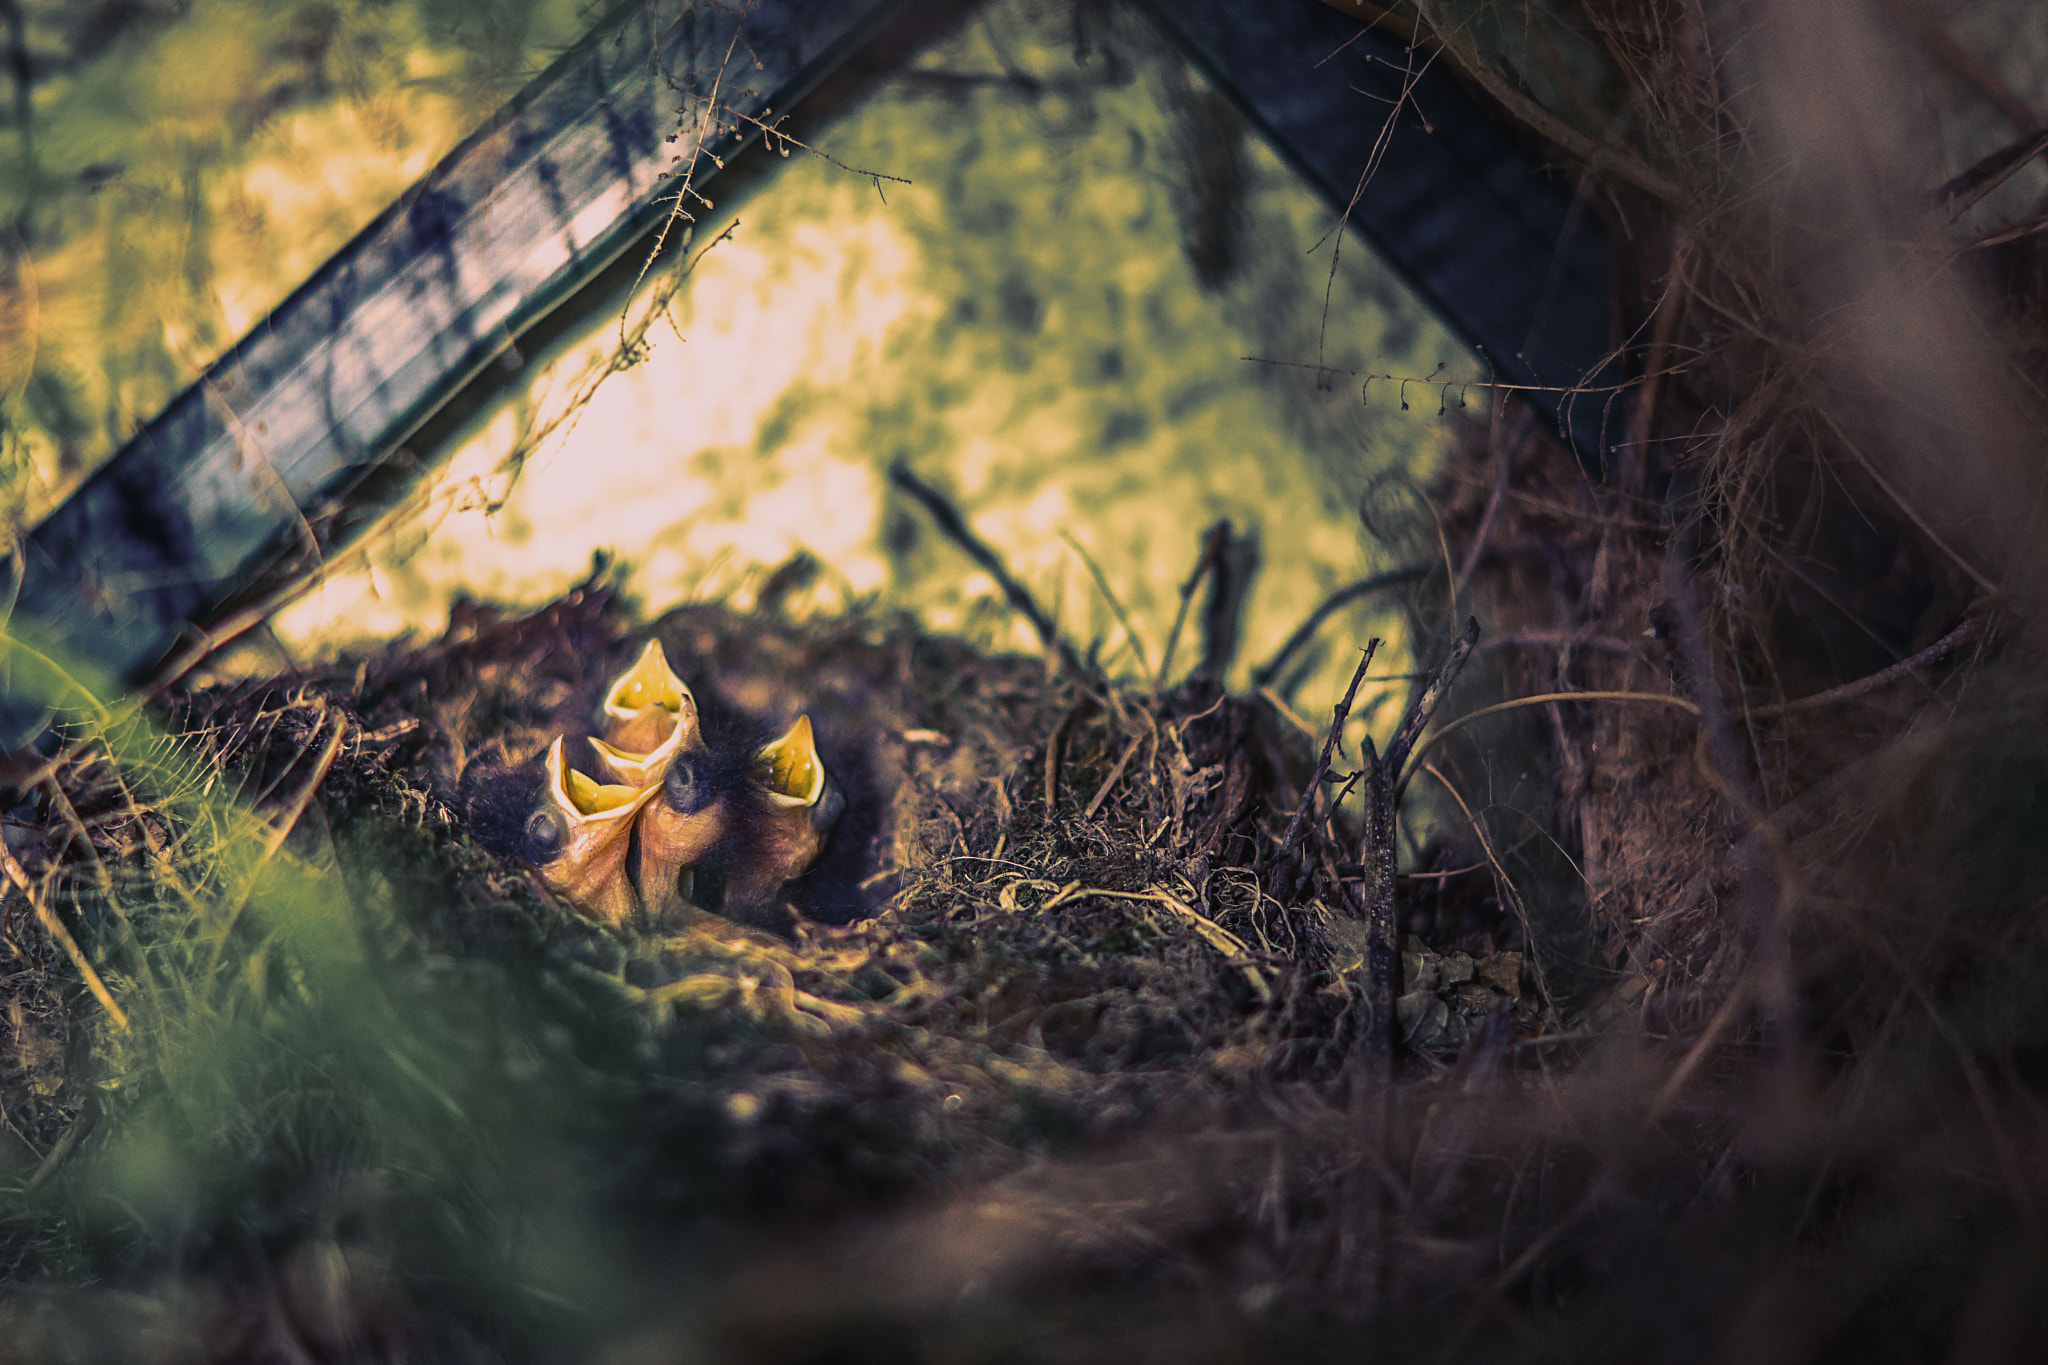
[(551, 191)]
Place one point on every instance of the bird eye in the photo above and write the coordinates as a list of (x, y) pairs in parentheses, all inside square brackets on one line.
[(545, 834), (686, 788)]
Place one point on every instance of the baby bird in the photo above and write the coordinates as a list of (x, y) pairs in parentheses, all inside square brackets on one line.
[(654, 739), (580, 836), (624, 844), (683, 822), (793, 804)]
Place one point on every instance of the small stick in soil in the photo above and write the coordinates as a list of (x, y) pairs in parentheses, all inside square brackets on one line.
[(948, 519), (1297, 827), (1109, 783)]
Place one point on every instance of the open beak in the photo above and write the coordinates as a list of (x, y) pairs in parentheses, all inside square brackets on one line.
[(678, 829), (647, 708), (802, 804), (580, 835), (639, 770)]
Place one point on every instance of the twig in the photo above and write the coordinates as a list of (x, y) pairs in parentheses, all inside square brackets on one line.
[(61, 1151), (1504, 471), (1052, 758), (773, 136), (1675, 1083), (1108, 783), (1234, 949), (1946, 645), (55, 928), (61, 802), (1109, 595), (1297, 827), (1286, 712), (1965, 66), (1543, 699), (1462, 51), (281, 828), (1899, 501), (1376, 856), (2013, 232), (1265, 673), (1560, 639), (1863, 687), (1211, 547), (1413, 724), (1988, 173), (949, 521)]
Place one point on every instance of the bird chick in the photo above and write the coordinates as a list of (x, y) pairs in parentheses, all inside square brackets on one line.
[(581, 834), (679, 827), (794, 804)]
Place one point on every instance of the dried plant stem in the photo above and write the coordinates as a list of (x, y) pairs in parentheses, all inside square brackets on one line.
[(56, 930), (1940, 649), (954, 526), (1425, 705), (1212, 547), (1109, 595), (1544, 699), (1234, 949), (1503, 475), (1625, 164), (1052, 758), (1376, 856), (1265, 673), (1298, 826), (280, 829), (1109, 783), (1905, 505), (1863, 687)]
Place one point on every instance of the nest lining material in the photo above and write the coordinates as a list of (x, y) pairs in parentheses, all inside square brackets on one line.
[(1041, 919)]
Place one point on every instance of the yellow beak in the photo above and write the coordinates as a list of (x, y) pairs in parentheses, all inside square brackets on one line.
[(789, 770), (581, 834), (648, 705), (802, 804)]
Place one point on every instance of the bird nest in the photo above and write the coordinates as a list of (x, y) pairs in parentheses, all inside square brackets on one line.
[(1057, 910)]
